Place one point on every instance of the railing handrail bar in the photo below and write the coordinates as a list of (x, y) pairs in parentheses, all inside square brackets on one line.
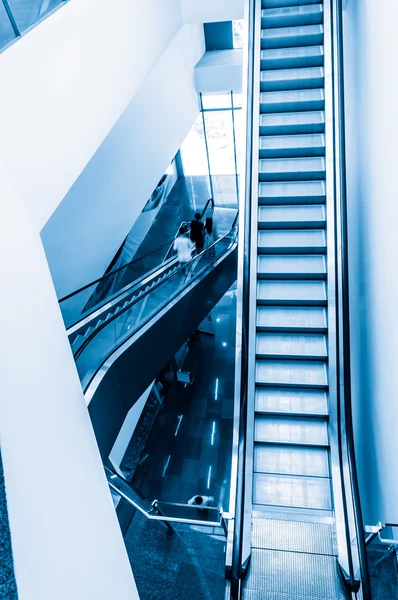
[(135, 260), (245, 239), (147, 292), (349, 433)]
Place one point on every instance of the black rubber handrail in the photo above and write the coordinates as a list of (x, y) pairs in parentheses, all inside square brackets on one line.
[(337, 20), (149, 291), (245, 239), (129, 264)]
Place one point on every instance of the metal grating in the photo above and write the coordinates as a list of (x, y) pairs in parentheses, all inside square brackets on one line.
[(292, 576), (294, 536)]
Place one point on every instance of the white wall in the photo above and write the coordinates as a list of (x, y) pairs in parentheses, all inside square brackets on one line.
[(209, 11), (65, 84), (219, 70), (371, 80), (101, 207), (65, 535)]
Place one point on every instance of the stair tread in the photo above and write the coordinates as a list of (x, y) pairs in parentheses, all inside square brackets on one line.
[(287, 401), (311, 240), (282, 58), (292, 490), (283, 37), (292, 141), (291, 345), (291, 373), (277, 123), (291, 318), (291, 460), (291, 192), (289, 169), (292, 292), (289, 266), (271, 217)]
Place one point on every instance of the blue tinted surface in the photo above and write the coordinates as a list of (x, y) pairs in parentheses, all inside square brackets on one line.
[(6, 31), (27, 12)]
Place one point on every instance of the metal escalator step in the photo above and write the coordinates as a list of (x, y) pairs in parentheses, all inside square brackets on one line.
[(291, 293), (285, 123), (286, 3), (292, 101), (292, 58), (286, 37), (291, 267), (301, 241), (281, 401), (292, 169), (308, 346), (291, 79), (285, 373), (292, 319), (289, 460), (292, 192), (292, 490), (292, 217), (292, 16), (295, 536), (307, 431), (292, 146), (292, 576)]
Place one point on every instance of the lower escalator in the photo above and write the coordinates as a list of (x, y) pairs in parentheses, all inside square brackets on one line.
[(124, 344)]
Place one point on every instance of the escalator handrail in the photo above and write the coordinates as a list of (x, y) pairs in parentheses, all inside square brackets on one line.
[(132, 262), (243, 323), (346, 427), (151, 289)]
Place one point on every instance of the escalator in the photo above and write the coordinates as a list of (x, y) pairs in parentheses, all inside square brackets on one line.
[(297, 529), (123, 343)]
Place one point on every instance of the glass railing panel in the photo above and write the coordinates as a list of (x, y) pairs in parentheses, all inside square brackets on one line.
[(121, 328), (28, 12), (7, 33)]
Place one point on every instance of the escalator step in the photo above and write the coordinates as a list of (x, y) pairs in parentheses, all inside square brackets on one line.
[(292, 192), (292, 58), (292, 319), (301, 241), (291, 267), (289, 460), (291, 430), (293, 123), (308, 346), (292, 217), (285, 373), (292, 490), (291, 402), (292, 101), (287, 146), (292, 16), (287, 37), (291, 293), (291, 79)]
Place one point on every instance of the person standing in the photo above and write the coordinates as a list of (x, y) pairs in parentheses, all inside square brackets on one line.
[(184, 246), (197, 233), (210, 235)]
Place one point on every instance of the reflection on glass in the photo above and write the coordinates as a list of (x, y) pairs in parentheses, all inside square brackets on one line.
[(26, 13), (237, 28), (193, 150), (210, 101), (220, 142), (239, 132), (6, 31)]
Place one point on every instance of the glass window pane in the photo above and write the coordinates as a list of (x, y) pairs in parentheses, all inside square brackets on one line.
[(193, 151), (239, 133), (220, 142), (216, 100), (28, 12), (237, 28), (6, 31), (237, 100)]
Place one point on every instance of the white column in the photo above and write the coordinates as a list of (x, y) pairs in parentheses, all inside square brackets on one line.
[(65, 535)]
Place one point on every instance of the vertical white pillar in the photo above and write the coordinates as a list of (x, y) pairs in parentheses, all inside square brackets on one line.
[(65, 535)]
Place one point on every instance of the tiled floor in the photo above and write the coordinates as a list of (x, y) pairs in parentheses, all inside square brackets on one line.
[(189, 450)]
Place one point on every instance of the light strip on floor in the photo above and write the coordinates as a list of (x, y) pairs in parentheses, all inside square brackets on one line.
[(216, 390), (208, 478), (178, 424), (213, 432), (166, 465)]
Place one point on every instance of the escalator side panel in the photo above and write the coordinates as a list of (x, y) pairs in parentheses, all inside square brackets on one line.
[(132, 372)]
